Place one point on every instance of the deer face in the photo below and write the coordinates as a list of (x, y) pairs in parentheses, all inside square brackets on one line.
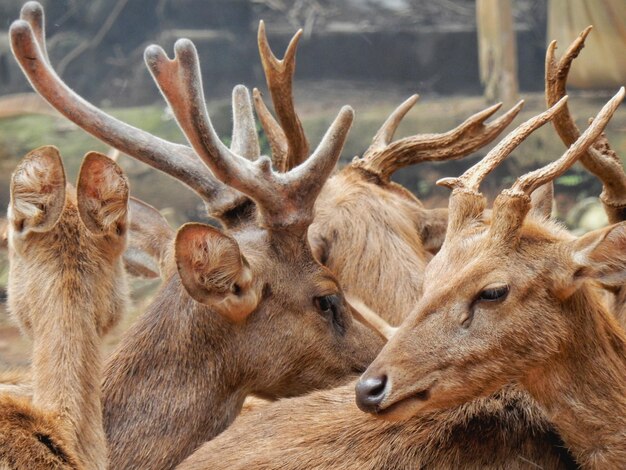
[(285, 307), (503, 314), (500, 295), (54, 229)]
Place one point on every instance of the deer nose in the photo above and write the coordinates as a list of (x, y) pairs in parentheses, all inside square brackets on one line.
[(370, 392)]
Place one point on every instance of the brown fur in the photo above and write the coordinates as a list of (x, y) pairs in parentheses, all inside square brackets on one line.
[(33, 439), (325, 430), (552, 333), (375, 236), (67, 289), (180, 375)]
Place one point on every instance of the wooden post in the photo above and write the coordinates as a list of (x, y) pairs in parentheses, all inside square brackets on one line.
[(497, 50)]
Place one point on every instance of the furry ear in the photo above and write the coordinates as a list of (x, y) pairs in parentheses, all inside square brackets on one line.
[(599, 255), (432, 228), (37, 191), (102, 193), (214, 272), (149, 238), (541, 201)]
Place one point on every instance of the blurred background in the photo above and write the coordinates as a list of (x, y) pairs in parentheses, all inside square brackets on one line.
[(459, 55)]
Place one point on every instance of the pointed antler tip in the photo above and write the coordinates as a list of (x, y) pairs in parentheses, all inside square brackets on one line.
[(154, 56), (31, 8), (184, 45), (347, 111), (238, 89), (20, 28), (448, 182)]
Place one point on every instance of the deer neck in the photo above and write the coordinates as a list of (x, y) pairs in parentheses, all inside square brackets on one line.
[(67, 364), (583, 390), (172, 382)]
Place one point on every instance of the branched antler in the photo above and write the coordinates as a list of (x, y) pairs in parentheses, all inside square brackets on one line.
[(384, 157), (470, 180), (512, 205), (527, 183), (466, 202), (178, 161), (288, 141), (283, 199), (599, 159)]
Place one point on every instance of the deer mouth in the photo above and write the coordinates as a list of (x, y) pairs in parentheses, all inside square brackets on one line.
[(407, 406)]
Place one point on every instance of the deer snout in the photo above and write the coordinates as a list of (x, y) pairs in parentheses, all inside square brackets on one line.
[(370, 392)]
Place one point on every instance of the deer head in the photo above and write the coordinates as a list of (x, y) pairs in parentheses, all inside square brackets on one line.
[(54, 228), (361, 216), (496, 296)]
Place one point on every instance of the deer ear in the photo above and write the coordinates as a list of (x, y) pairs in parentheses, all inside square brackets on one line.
[(541, 201), (150, 236), (37, 191), (102, 193), (214, 272), (432, 228), (601, 255)]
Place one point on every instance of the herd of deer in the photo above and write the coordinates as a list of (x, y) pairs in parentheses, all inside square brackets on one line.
[(511, 353)]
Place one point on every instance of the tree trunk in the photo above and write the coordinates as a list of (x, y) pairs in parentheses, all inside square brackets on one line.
[(497, 50)]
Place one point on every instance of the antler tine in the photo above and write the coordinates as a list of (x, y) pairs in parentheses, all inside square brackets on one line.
[(388, 129), (283, 199), (469, 136), (179, 161), (599, 159), (471, 179), (245, 141), (275, 135), (527, 183), (279, 77), (32, 13)]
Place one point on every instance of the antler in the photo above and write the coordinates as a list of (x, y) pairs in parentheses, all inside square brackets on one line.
[(245, 140), (284, 199), (512, 205), (384, 157), (599, 159), (178, 161), (527, 183), (471, 179), (288, 141), (466, 202)]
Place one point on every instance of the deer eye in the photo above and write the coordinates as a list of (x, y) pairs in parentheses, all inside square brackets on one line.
[(494, 293), (329, 307)]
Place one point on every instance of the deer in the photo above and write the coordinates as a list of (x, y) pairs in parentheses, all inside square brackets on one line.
[(519, 305), (227, 321), (600, 159), (327, 430), (66, 289), (361, 215)]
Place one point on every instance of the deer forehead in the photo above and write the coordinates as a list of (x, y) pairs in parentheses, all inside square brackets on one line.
[(473, 259), (279, 259)]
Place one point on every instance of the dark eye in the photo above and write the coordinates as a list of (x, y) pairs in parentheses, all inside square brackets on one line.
[(495, 293), (330, 307)]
